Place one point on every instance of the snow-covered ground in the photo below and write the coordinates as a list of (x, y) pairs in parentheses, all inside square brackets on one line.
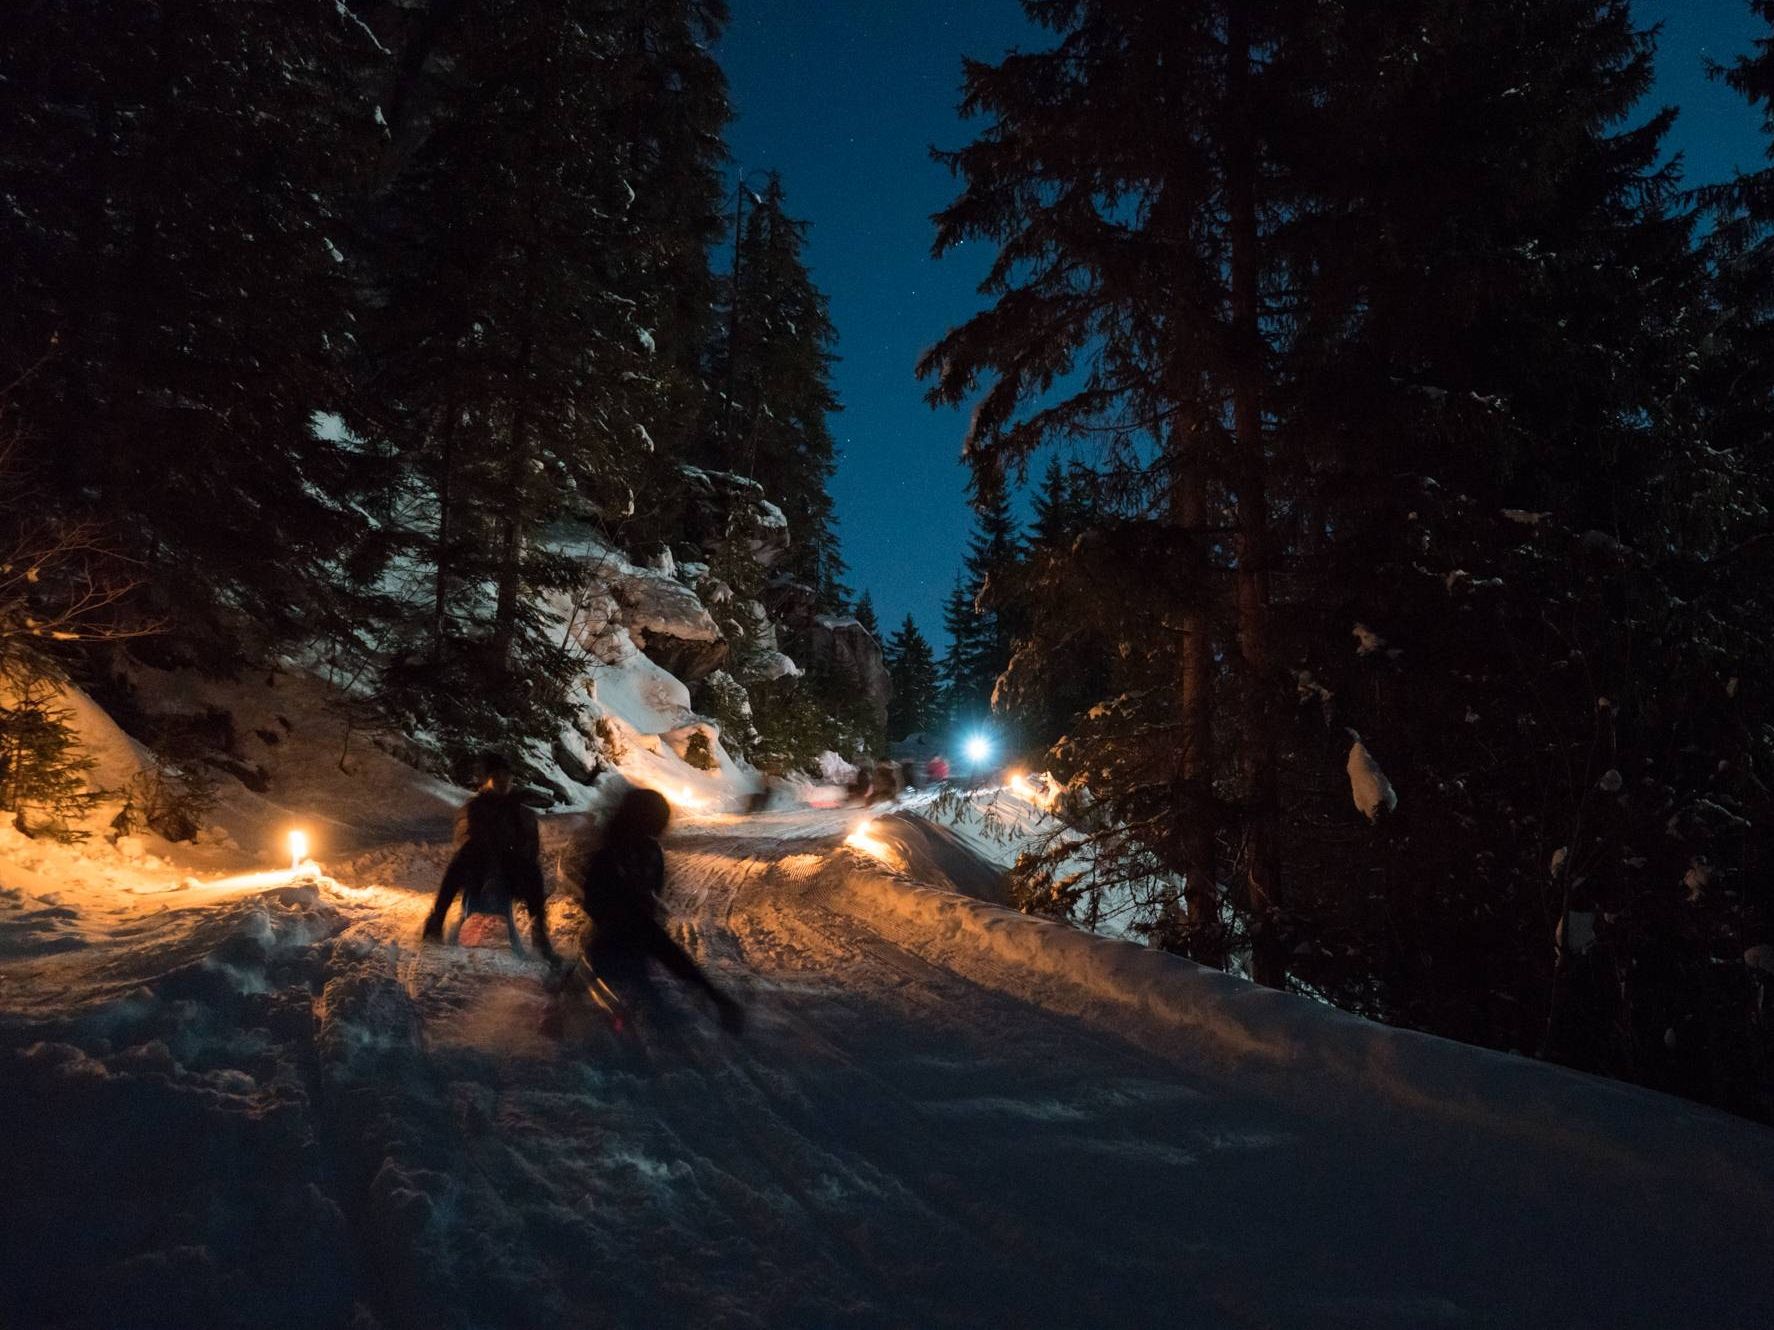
[(253, 1100)]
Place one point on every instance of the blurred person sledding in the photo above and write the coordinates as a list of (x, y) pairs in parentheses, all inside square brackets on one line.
[(623, 888), (497, 862)]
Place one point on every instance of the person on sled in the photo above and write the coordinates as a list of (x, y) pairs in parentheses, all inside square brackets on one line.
[(624, 890), (498, 861)]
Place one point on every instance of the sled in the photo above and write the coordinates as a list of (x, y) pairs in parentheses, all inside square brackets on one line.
[(485, 930), (576, 981)]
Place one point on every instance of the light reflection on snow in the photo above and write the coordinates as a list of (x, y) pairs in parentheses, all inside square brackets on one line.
[(863, 838)]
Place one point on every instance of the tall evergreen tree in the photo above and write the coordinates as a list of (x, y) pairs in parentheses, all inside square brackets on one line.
[(959, 705), (517, 335), (1060, 509), (865, 615), (175, 176), (1132, 267), (915, 707), (1211, 295), (990, 570), (772, 371)]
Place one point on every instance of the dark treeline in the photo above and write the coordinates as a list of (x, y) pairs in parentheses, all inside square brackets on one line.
[(1400, 628), (327, 313)]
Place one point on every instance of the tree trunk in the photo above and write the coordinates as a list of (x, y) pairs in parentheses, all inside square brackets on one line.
[(1262, 874), (511, 539), (1195, 799), (441, 572)]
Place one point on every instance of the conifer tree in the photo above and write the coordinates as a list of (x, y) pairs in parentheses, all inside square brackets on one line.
[(43, 769), (1128, 269), (1384, 328), (989, 570), (174, 270), (1059, 508), (772, 371), (960, 704), (517, 335), (916, 688), (1211, 291), (865, 615)]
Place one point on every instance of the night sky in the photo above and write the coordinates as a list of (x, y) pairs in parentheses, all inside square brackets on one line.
[(844, 97)]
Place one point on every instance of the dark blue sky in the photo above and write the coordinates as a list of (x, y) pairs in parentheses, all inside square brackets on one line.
[(844, 97)]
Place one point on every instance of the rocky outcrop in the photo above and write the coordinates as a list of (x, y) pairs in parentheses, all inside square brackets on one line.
[(763, 659), (850, 650), (662, 616), (722, 506), (791, 604)]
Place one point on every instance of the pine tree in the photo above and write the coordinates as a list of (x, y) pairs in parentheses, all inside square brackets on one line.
[(772, 370), (44, 771), (1127, 270), (960, 702), (516, 335), (174, 272), (916, 686), (1211, 293), (1060, 511), (990, 568), (865, 615), (1740, 252)]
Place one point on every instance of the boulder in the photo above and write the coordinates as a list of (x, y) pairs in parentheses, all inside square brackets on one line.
[(662, 616), (850, 650), (574, 767)]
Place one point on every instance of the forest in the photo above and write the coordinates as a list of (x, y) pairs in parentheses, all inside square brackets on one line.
[(1392, 421), (1398, 596)]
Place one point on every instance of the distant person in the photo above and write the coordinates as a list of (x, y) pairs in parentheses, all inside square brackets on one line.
[(769, 791), (938, 769), (624, 891), (498, 860), (886, 783), (860, 784)]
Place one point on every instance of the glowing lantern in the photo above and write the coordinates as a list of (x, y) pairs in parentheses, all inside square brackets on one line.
[(298, 841)]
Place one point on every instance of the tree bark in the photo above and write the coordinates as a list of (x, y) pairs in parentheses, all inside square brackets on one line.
[(442, 558), (1199, 829), (1262, 873), (511, 538)]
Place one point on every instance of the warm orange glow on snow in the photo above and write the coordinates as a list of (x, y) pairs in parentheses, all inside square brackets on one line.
[(864, 839), (685, 797), (1039, 791)]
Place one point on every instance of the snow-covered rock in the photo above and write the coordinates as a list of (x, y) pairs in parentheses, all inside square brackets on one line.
[(724, 506), (847, 647), (1373, 794), (662, 616)]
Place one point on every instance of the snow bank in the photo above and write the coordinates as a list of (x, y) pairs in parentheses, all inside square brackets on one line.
[(1313, 1053)]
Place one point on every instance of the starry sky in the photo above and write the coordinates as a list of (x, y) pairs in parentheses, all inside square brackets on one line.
[(845, 97)]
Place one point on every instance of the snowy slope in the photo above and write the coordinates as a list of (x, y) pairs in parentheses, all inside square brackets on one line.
[(258, 1103)]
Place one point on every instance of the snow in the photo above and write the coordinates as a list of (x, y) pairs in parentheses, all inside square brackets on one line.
[(1368, 787), (259, 1102), (240, 1092), (1367, 641)]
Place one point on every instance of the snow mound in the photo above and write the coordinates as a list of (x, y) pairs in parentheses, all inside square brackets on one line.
[(1302, 1050)]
